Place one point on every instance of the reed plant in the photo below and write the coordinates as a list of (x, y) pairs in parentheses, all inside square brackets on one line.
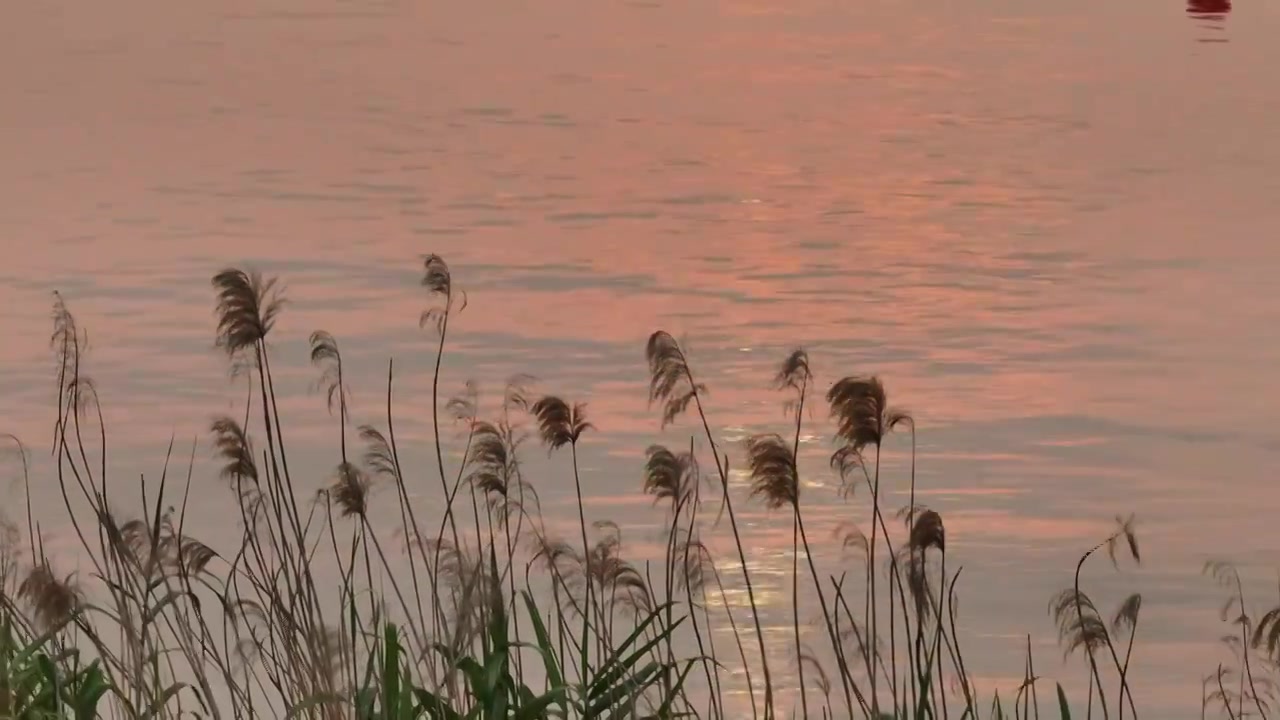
[(371, 594)]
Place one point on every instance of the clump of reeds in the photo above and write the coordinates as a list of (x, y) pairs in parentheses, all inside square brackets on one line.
[(446, 622)]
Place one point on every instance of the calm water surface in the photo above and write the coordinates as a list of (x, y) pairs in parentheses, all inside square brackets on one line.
[(1051, 227)]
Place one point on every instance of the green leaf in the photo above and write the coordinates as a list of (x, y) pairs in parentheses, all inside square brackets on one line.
[(1062, 703), (615, 668), (390, 672), (665, 710), (631, 686), (434, 707), (535, 709)]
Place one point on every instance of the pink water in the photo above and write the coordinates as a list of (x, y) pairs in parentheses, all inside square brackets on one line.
[(1052, 228)]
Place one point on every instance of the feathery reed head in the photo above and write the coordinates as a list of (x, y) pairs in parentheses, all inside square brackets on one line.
[(325, 355), (915, 567), (488, 459), (794, 373), (1079, 624), (189, 555), (558, 423), (860, 406), (668, 476), (553, 553), (438, 281), (698, 564), (350, 490), (247, 306), (516, 393), (436, 277), (464, 406), (52, 601), (773, 471), (235, 449), (1126, 617), (928, 532), (1124, 529), (608, 571), (377, 454), (670, 381), (67, 341)]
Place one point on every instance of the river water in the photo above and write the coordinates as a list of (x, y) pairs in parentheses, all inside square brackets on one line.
[(1050, 227)]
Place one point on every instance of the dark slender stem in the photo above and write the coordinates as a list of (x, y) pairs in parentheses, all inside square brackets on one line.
[(1226, 703), (1244, 650), (795, 550), (742, 556), (586, 567), (1093, 665)]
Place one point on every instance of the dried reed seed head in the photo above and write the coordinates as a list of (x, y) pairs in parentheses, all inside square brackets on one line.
[(192, 556), (247, 307), (846, 460), (463, 406), (233, 446), (1078, 621), (324, 348), (697, 563), (552, 552), (609, 571), (488, 461), (134, 535), (1124, 529), (773, 471), (325, 355), (1126, 617), (350, 490), (794, 372), (516, 393), (928, 532), (667, 475), (863, 417), (670, 381), (53, 601), (917, 577), (436, 277), (1087, 632), (558, 423), (908, 513), (438, 281), (68, 342), (378, 457)]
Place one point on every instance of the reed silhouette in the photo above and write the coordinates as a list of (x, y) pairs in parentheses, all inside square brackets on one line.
[(328, 602)]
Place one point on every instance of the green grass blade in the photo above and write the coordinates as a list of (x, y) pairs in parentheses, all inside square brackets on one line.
[(433, 706), (1062, 703), (391, 672)]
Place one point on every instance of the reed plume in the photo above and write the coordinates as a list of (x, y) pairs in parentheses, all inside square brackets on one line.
[(773, 471), (236, 451), (247, 306), (560, 424), (53, 601), (669, 476), (350, 490)]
